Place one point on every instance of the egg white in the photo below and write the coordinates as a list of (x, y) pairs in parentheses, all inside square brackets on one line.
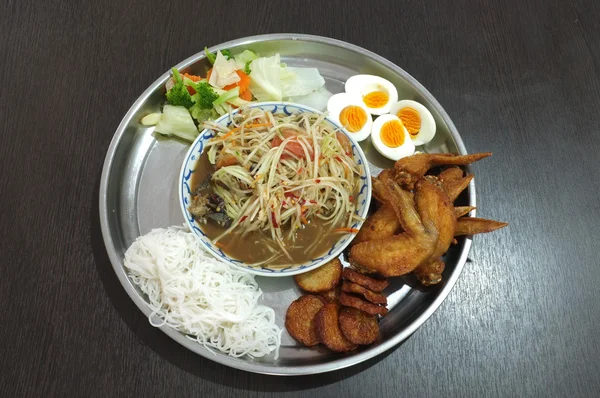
[(338, 102), (428, 127), (361, 85), (406, 149)]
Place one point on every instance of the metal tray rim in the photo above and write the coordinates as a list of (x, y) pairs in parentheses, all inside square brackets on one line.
[(235, 362)]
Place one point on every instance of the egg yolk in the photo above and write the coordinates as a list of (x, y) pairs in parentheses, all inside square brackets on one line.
[(353, 118), (411, 120), (376, 99), (392, 134)]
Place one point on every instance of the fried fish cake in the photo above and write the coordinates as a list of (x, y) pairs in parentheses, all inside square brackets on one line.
[(361, 304), (332, 295), (322, 279), (358, 326), (300, 319), (328, 328), (373, 297), (375, 285)]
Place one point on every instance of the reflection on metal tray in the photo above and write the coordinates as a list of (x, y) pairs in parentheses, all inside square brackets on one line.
[(138, 192)]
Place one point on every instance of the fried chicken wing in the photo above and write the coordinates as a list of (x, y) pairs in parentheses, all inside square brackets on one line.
[(434, 206), (451, 173), (453, 188), (430, 273), (425, 221), (474, 225), (463, 210), (401, 253), (378, 187), (381, 224), (410, 169)]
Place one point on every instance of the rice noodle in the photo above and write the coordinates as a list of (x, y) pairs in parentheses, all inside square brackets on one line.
[(200, 296)]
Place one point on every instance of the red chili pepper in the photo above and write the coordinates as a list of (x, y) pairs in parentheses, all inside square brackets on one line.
[(300, 170), (318, 181), (289, 194), (314, 202), (339, 159), (351, 197), (274, 220), (243, 219), (302, 201)]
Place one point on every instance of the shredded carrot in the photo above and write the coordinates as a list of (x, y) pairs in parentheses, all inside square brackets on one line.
[(246, 95), (227, 135), (349, 230), (193, 78), (221, 245), (243, 83), (233, 130), (303, 220)]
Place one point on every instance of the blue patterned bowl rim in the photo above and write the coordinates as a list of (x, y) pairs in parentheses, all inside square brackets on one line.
[(189, 165)]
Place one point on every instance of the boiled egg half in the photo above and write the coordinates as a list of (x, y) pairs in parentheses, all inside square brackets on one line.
[(376, 93), (390, 137), (349, 112), (417, 120)]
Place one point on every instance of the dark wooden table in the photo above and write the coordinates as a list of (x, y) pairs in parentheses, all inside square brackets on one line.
[(519, 78)]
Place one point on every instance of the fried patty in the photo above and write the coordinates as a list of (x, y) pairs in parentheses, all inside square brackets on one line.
[(322, 279), (375, 298), (375, 285), (331, 295), (329, 331), (358, 326), (359, 303), (300, 319)]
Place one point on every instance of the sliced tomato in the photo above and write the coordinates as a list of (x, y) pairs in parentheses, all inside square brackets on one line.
[(226, 160), (292, 146), (345, 142)]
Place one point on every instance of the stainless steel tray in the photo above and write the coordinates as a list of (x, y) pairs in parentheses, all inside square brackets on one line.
[(138, 192)]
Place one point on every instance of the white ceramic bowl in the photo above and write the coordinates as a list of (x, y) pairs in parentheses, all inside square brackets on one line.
[(189, 165)]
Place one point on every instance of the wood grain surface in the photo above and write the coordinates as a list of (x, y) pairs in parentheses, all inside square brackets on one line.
[(519, 78)]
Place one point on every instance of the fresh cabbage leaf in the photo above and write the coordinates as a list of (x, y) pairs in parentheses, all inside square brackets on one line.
[(265, 78), (201, 114), (177, 121), (245, 58), (317, 99), (300, 81)]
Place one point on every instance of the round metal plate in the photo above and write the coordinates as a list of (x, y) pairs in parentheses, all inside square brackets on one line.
[(138, 192)]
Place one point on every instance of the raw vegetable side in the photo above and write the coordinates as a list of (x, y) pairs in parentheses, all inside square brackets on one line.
[(232, 82)]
